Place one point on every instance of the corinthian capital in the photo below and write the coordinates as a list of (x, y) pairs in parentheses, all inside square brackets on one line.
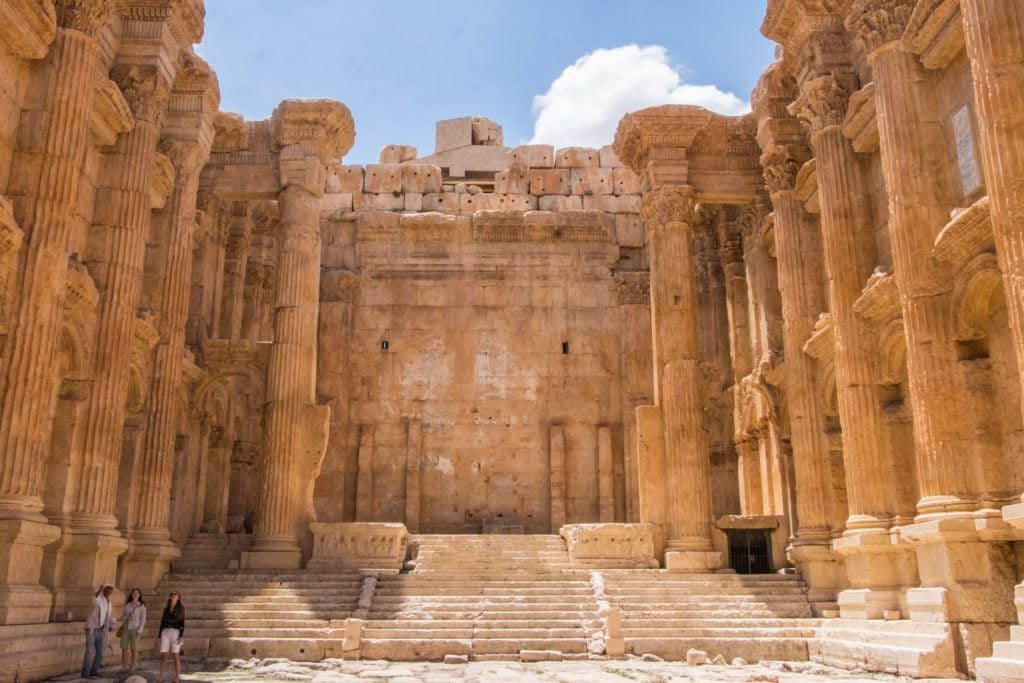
[(668, 204), (780, 169), (822, 102), (87, 16), (879, 22), (187, 157), (322, 128), (146, 93)]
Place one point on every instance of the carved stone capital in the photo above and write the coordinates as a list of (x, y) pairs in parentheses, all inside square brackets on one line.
[(822, 102), (320, 127), (86, 16), (668, 204), (187, 157), (879, 22), (781, 167), (144, 90)]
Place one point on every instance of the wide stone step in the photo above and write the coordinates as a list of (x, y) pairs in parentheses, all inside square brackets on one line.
[(297, 614), (725, 632), (477, 615), (750, 649)]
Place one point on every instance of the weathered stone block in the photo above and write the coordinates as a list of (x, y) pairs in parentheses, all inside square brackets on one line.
[(440, 201), (396, 154), (413, 201), (348, 178), (421, 178), (383, 178), (629, 230), (549, 181), (612, 204), (625, 181), (611, 545), (559, 202), (608, 158), (535, 156), (588, 181), (577, 157), (390, 201)]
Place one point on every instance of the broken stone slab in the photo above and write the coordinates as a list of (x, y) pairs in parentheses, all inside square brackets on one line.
[(719, 660), (696, 657), (396, 154), (456, 659)]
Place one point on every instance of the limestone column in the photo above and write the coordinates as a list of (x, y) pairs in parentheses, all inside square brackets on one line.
[(846, 224), (92, 544), (29, 373), (309, 134), (151, 549), (994, 33), (798, 248), (668, 212), (963, 579)]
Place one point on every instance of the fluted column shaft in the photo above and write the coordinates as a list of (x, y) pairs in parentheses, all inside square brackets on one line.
[(151, 511), (797, 247), (291, 375), (947, 462), (668, 212), (994, 33), (29, 374), (849, 260), (123, 215)]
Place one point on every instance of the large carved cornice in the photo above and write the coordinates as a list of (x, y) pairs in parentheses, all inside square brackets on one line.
[(86, 16), (667, 205), (111, 115), (789, 22), (193, 104), (669, 127), (935, 32), (183, 18), (879, 22), (27, 27)]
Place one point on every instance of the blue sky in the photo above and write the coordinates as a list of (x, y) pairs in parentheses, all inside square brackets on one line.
[(400, 65)]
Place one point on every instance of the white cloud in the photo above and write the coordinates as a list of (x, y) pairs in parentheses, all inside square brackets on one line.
[(583, 106)]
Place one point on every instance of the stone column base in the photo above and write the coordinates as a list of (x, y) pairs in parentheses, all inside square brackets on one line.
[(824, 573), (696, 561), (963, 579), (146, 563), (879, 570), (267, 552), (22, 599), (82, 563)]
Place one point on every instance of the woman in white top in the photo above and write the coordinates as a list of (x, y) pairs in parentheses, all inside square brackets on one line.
[(133, 620)]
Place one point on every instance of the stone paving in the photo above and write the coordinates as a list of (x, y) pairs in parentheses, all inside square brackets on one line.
[(593, 671)]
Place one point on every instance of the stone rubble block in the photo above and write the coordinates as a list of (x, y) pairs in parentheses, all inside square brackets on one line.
[(696, 657), (396, 154), (456, 659), (535, 156), (625, 181), (590, 181), (612, 204), (383, 178), (549, 181), (421, 178), (577, 157)]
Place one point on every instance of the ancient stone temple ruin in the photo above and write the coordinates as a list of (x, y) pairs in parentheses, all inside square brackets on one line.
[(748, 385)]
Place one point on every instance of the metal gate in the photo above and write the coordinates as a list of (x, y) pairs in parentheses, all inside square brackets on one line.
[(750, 551)]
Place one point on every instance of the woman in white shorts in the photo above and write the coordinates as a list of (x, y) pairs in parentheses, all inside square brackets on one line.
[(172, 634)]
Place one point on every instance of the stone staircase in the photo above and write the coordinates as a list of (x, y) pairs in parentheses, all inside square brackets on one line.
[(488, 597), (262, 614), (1006, 665), (210, 552), (753, 617)]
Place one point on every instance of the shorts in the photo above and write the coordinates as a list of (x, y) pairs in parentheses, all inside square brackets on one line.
[(169, 641), (130, 639)]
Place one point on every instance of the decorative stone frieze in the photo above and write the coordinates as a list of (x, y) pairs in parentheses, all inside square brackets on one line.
[(610, 546), (366, 546)]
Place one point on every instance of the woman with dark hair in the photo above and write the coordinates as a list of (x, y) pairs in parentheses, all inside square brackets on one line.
[(133, 619), (172, 634)]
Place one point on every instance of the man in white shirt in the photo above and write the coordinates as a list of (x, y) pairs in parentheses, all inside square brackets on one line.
[(96, 626)]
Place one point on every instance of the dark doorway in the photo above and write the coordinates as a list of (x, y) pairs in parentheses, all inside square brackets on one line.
[(749, 551)]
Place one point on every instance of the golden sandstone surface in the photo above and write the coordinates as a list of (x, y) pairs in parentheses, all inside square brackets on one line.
[(595, 381)]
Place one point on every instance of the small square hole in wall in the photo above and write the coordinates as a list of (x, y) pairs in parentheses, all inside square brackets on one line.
[(565, 348), (384, 344)]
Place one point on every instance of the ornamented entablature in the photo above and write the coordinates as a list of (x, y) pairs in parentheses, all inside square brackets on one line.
[(27, 27), (643, 136), (195, 98), (788, 22), (184, 19)]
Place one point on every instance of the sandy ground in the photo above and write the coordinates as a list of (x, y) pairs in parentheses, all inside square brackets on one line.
[(628, 671)]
